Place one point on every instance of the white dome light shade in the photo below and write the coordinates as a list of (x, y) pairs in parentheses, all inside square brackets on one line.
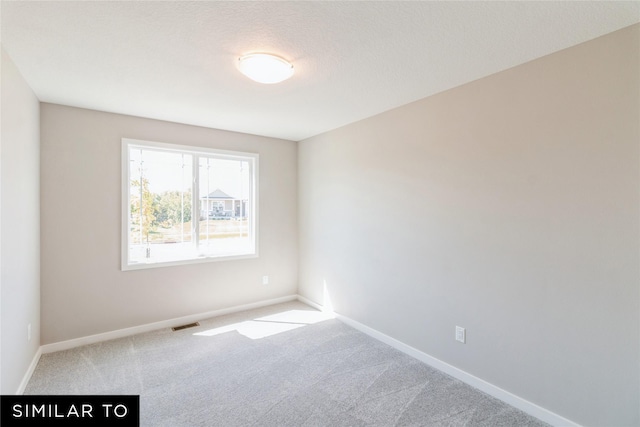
[(265, 68)]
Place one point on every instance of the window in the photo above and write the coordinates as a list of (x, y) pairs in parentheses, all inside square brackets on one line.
[(186, 204)]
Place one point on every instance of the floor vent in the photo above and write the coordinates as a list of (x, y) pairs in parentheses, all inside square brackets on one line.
[(190, 325)]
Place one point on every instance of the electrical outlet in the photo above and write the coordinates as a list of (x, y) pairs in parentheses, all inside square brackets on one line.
[(265, 280), (461, 334), (29, 332)]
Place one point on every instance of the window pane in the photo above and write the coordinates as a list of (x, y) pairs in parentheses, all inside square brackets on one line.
[(160, 205), (186, 204), (225, 195)]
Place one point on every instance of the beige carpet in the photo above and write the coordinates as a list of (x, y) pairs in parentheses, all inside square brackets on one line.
[(283, 365)]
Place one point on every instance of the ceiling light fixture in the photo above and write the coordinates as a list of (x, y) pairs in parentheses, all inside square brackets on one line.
[(265, 68)]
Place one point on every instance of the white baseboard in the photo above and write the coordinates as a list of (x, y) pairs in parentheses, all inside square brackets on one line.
[(121, 333), (492, 390), (29, 373), (310, 303)]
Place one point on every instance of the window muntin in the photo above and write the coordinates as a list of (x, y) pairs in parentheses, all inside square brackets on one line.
[(166, 187)]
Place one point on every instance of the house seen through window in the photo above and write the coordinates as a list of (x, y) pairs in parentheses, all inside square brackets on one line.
[(185, 204)]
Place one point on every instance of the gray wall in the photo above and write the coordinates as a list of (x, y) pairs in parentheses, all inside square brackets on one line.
[(84, 292), (19, 227), (508, 206)]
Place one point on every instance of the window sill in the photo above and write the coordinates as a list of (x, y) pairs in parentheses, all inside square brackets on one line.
[(199, 260)]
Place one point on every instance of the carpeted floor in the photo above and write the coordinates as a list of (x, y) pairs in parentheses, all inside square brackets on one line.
[(283, 365)]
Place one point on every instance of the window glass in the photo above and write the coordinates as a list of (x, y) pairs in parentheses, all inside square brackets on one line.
[(165, 183), (224, 199)]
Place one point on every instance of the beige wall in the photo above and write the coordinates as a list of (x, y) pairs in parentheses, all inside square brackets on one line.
[(512, 210), (19, 227), (83, 290)]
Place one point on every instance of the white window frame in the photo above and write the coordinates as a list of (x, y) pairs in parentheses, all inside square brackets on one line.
[(252, 158)]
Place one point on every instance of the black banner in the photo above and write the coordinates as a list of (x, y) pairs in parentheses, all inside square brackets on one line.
[(64, 411)]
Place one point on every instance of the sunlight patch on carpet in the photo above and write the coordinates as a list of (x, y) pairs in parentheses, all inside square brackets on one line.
[(266, 326)]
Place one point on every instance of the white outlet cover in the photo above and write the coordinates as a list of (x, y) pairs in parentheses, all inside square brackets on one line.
[(461, 334)]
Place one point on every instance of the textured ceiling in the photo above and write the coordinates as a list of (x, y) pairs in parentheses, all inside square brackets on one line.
[(176, 60)]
